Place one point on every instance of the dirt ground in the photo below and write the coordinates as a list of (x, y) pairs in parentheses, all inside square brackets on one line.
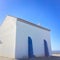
[(39, 58)]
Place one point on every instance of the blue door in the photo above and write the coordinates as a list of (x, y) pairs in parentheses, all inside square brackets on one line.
[(30, 47), (46, 48)]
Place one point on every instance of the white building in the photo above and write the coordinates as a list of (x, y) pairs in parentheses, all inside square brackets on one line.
[(14, 36)]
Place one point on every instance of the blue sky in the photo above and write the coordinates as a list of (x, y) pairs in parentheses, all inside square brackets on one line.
[(44, 12)]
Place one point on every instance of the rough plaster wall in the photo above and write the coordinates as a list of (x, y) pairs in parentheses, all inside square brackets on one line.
[(8, 37)]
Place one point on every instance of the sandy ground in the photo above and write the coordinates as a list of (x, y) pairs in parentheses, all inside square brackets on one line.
[(58, 55), (3, 58), (39, 58)]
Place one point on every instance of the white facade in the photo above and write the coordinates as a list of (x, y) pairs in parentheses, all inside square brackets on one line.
[(14, 34)]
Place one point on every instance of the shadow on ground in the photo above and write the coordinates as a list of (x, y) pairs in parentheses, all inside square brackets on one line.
[(43, 58), (39, 58)]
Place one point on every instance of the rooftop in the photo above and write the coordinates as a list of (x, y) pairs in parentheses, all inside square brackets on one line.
[(30, 23)]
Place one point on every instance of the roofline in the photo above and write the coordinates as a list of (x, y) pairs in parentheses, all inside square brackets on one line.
[(30, 23)]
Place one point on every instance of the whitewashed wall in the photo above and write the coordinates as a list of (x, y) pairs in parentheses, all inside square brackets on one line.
[(8, 37), (14, 37), (38, 35)]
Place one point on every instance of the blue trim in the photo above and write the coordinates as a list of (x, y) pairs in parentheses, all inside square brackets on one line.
[(30, 47), (46, 48)]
